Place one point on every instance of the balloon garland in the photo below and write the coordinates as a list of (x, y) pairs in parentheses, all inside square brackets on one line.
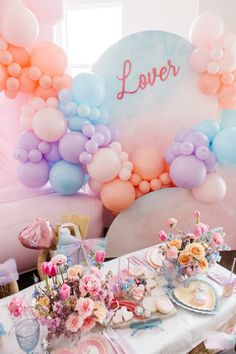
[(67, 135)]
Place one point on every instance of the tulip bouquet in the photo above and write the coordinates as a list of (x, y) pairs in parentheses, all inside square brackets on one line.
[(193, 252)]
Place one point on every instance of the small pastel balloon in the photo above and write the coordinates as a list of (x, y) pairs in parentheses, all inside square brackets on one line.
[(66, 178), (10, 94), (104, 166), (205, 29), (216, 54), (228, 62), (187, 171), (128, 164), (165, 178), (65, 95), (105, 131), (213, 68), (209, 127), (169, 156), (88, 130), (96, 186), (186, 148), (26, 122), (83, 110), (117, 195), (71, 145), (85, 157), (35, 155), (198, 139), (211, 162), (49, 124), (91, 146), (21, 155), (224, 146), (115, 146), (135, 179), (6, 58), (148, 163), (99, 138), (212, 190), (33, 175), (45, 81), (26, 85), (57, 83), (12, 84), (53, 155), (14, 69), (124, 174), (94, 114), (45, 93), (209, 84), (202, 153), (44, 147), (124, 156), (181, 135), (227, 78), (34, 73), (37, 103), (20, 55), (71, 109), (49, 58), (199, 59), (28, 141), (52, 102), (144, 187), (76, 123), (155, 184)]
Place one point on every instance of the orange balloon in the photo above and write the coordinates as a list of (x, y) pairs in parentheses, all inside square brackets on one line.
[(20, 55), (49, 58), (3, 77), (135, 179), (155, 184), (209, 84), (144, 187), (45, 93), (227, 93), (26, 85), (117, 195), (148, 163), (165, 178)]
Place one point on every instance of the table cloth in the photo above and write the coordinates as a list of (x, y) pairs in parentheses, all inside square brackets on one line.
[(181, 333)]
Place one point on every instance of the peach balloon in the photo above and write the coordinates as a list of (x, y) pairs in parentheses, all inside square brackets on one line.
[(45, 81), (57, 82), (155, 184), (14, 69), (34, 73), (49, 124), (212, 190), (45, 93), (135, 179), (10, 94), (12, 84), (6, 58), (124, 174), (165, 178), (117, 195), (227, 93), (144, 187), (209, 84), (49, 58), (148, 163), (26, 85), (20, 55), (3, 77)]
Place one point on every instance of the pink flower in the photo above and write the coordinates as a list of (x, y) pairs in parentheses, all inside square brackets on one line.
[(59, 259), (53, 271), (200, 229), (100, 256), (65, 291), (46, 267), (88, 324), (95, 271), (162, 235), (197, 214), (172, 253), (90, 284), (74, 322), (172, 222), (85, 307), (16, 307), (217, 239)]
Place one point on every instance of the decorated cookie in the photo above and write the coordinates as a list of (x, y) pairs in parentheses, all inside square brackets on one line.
[(149, 303), (138, 292), (126, 314), (163, 304), (117, 318)]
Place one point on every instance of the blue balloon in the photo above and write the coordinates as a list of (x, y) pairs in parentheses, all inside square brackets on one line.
[(228, 119), (88, 88), (208, 127), (224, 146), (64, 95), (66, 178), (76, 123)]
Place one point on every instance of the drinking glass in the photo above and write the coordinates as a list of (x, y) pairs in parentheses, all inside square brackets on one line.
[(27, 334), (170, 272)]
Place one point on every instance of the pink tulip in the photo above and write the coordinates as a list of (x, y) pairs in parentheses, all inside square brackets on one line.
[(53, 272), (65, 291), (46, 267), (100, 256), (172, 222), (197, 214), (200, 229), (162, 235)]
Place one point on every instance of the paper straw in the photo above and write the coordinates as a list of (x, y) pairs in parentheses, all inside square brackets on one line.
[(118, 271), (232, 269), (128, 268)]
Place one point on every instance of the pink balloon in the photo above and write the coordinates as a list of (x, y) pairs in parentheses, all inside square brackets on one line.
[(212, 190), (228, 61), (96, 186), (49, 124), (205, 29), (104, 166), (199, 59), (124, 174), (49, 12)]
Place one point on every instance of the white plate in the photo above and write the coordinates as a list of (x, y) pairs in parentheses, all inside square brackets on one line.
[(186, 307)]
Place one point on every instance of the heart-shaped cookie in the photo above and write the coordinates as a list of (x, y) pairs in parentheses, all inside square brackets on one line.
[(117, 318), (126, 314)]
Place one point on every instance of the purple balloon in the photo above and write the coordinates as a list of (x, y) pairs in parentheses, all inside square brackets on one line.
[(197, 139), (91, 146), (88, 130), (21, 155), (28, 141), (44, 147), (187, 171), (71, 145), (211, 162), (114, 133), (53, 155), (169, 156), (182, 134), (35, 155), (85, 157), (175, 148), (99, 138), (202, 153), (186, 148), (33, 175), (105, 131)]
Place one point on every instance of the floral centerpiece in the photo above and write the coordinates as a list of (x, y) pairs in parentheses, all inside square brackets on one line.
[(193, 252)]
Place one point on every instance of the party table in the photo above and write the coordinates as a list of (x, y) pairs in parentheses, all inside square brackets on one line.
[(181, 332)]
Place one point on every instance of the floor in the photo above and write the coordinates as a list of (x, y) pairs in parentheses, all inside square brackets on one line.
[(27, 278)]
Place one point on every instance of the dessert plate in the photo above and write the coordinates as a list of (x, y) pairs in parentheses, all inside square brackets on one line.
[(154, 257)]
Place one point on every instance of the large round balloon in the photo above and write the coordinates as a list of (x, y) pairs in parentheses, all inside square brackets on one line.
[(49, 124), (71, 145), (117, 195), (33, 175), (104, 166), (224, 146), (187, 171), (49, 58), (148, 163), (88, 88), (212, 190), (66, 178)]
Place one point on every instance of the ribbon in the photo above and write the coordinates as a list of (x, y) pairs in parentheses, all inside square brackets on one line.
[(137, 326), (8, 272)]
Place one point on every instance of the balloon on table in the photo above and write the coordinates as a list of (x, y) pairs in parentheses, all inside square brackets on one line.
[(148, 163), (224, 146), (117, 195), (33, 174), (66, 178), (71, 145), (212, 190)]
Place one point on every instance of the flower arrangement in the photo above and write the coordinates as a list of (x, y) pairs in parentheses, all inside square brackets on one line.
[(195, 251)]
